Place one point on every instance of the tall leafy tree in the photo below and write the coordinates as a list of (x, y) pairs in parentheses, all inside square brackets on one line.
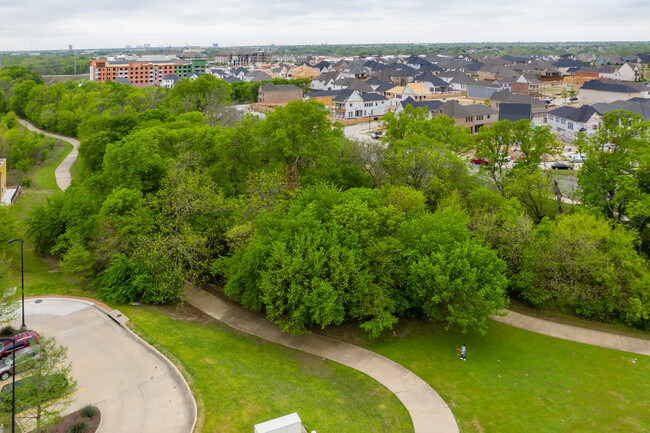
[(615, 177)]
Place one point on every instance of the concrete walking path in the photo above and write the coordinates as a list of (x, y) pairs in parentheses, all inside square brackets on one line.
[(62, 172), (429, 412), (575, 333)]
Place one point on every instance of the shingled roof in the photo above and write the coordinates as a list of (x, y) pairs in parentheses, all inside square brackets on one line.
[(611, 86), (580, 115)]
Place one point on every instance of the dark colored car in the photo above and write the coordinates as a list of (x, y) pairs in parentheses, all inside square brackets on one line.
[(560, 166), (480, 161), (376, 135), (21, 341), (573, 98)]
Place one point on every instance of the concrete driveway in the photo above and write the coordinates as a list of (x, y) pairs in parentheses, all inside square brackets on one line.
[(136, 388)]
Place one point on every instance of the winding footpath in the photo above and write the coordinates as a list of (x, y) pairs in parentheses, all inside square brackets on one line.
[(574, 333), (62, 172), (429, 412)]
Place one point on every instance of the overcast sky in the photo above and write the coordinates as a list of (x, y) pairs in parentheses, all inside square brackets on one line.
[(53, 24)]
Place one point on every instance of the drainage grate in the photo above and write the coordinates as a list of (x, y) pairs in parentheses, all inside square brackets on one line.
[(38, 301)]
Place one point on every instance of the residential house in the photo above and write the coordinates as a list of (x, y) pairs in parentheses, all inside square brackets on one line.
[(432, 106), (473, 116), (278, 94), (515, 112), (240, 73), (352, 84), (595, 91), (458, 80), (324, 67), (350, 104), (168, 81), (432, 82), (256, 76), (303, 71), (416, 91), (636, 105), (525, 85), (325, 97), (417, 62), (357, 71), (395, 95), (482, 90), (566, 121), (281, 71), (564, 65), (325, 81), (505, 96), (490, 72)]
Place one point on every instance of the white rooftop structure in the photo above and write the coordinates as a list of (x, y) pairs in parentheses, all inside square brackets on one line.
[(285, 424)]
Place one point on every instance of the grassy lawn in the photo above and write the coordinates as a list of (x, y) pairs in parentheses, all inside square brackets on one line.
[(518, 381), (240, 380), (43, 174)]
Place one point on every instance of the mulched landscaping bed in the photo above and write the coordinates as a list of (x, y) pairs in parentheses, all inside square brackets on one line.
[(62, 427)]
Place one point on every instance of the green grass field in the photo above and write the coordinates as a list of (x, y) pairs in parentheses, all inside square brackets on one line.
[(43, 174), (518, 381), (240, 380)]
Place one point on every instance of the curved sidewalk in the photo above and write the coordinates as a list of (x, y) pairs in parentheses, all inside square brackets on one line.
[(62, 172), (574, 333), (429, 413)]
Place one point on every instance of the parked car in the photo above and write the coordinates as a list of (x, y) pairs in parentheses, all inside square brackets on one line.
[(20, 341), (480, 161), (577, 158), (22, 358), (376, 135), (560, 166), (573, 98)]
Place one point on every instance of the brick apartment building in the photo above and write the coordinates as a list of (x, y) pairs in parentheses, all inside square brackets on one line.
[(243, 58), (144, 73)]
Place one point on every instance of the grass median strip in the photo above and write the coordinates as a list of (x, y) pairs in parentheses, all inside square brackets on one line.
[(244, 380)]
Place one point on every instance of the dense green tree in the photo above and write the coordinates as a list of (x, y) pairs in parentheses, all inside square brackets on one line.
[(615, 177), (20, 97), (449, 275), (206, 94)]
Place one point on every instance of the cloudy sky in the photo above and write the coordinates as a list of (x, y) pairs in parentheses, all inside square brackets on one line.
[(53, 24)]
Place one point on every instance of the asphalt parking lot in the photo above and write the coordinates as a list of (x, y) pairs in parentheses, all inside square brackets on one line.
[(134, 386)]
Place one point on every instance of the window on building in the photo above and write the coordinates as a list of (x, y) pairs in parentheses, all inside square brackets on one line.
[(479, 117), (570, 125)]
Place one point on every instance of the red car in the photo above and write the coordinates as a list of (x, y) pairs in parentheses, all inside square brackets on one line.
[(480, 161), (22, 340)]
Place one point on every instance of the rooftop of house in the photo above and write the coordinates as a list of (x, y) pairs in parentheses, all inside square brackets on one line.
[(637, 105), (433, 105), (514, 112), (614, 86), (428, 77), (324, 93), (279, 88), (579, 115), (507, 96)]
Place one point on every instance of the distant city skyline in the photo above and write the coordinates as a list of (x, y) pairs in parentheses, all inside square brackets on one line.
[(47, 25)]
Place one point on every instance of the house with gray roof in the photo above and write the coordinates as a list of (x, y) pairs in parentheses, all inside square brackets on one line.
[(432, 106), (595, 91), (432, 82), (515, 112), (566, 121), (255, 76), (507, 96), (350, 104), (169, 81), (637, 105), (482, 90)]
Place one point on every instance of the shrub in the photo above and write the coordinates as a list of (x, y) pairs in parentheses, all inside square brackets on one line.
[(79, 427), (27, 181), (7, 331), (89, 411)]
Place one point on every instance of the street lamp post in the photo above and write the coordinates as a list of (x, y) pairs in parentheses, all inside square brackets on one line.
[(22, 280), (13, 383)]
